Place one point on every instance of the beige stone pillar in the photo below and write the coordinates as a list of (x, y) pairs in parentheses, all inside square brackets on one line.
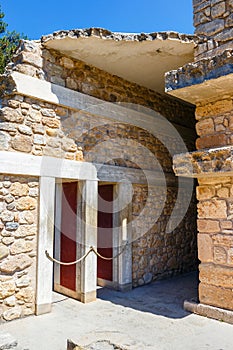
[(207, 83)]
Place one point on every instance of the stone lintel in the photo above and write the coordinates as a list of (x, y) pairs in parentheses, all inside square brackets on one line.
[(209, 311), (204, 80), (212, 162)]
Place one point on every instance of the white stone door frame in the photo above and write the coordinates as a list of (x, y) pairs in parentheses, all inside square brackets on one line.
[(122, 236), (48, 170)]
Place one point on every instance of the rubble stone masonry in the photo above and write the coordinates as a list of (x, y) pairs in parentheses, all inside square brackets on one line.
[(40, 128)]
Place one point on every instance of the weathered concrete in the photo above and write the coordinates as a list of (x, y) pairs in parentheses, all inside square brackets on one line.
[(150, 317)]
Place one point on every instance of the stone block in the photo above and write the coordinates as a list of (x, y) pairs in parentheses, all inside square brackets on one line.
[(220, 255), (51, 122), (205, 127), (15, 263), (12, 313), (7, 289), (205, 248), (212, 209), (11, 115), (26, 203), (4, 141), (211, 141), (216, 275), (22, 143), (216, 296), (4, 251), (208, 226), (211, 28), (18, 189), (218, 10), (205, 192), (21, 246), (223, 240)]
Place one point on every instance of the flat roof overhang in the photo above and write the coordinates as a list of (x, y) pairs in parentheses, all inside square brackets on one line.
[(139, 58)]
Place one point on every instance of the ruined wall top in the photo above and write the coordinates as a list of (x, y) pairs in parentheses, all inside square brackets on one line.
[(213, 21)]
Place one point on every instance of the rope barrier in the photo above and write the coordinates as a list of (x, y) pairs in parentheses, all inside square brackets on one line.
[(92, 249), (68, 263)]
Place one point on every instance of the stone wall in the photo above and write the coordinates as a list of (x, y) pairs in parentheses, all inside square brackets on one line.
[(18, 237), (159, 253), (213, 20), (40, 128)]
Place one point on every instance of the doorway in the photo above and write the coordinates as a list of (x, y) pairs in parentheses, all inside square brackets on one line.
[(65, 245)]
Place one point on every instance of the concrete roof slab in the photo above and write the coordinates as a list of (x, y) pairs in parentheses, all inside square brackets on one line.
[(139, 58)]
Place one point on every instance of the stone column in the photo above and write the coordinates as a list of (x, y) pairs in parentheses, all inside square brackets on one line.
[(208, 83)]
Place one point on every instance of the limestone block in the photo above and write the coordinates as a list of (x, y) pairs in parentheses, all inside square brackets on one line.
[(26, 203), (223, 192), (26, 230), (12, 313), (220, 255), (39, 140), (15, 263), (22, 143), (214, 109), (6, 126), (31, 58), (4, 141), (21, 246), (210, 28), (69, 145), (51, 122), (4, 251), (216, 296), (212, 209), (223, 240), (34, 116), (67, 62), (7, 240), (205, 127), (218, 10), (7, 289), (11, 226), (211, 141), (18, 189), (10, 301), (26, 130), (7, 216), (216, 275), (25, 294), (11, 115), (205, 192), (24, 281), (208, 226), (13, 103), (205, 248), (27, 217)]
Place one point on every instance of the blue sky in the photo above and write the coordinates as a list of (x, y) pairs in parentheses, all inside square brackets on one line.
[(35, 18)]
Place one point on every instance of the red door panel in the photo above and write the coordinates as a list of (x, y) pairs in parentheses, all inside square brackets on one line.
[(68, 234), (104, 240)]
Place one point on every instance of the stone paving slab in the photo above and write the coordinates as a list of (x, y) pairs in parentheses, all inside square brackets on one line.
[(150, 317)]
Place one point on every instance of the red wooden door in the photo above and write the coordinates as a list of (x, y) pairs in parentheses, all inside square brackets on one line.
[(104, 238), (68, 235)]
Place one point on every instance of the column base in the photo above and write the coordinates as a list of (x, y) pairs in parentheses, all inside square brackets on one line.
[(43, 309), (88, 297)]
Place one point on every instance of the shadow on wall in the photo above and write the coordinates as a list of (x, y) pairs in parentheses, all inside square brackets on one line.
[(163, 298)]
